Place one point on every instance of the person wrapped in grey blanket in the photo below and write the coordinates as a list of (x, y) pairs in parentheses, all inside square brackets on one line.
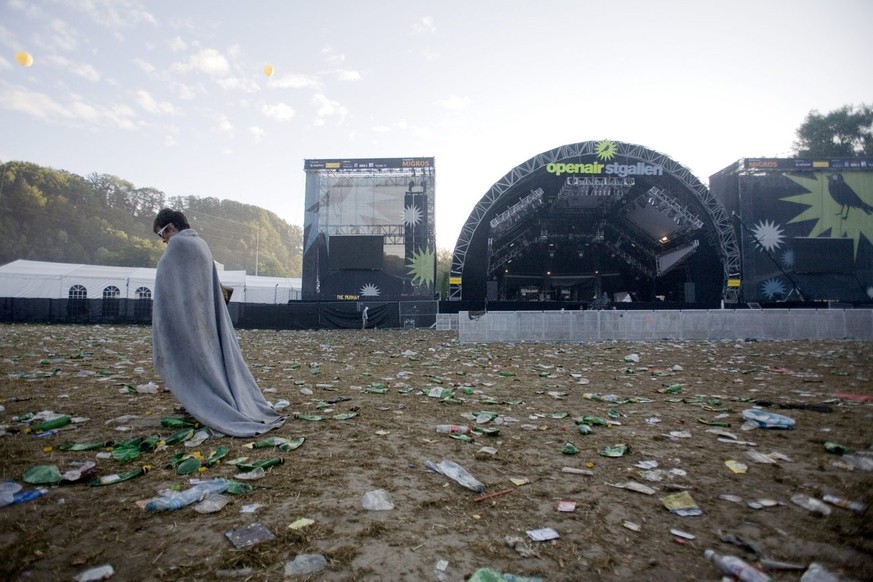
[(195, 349)]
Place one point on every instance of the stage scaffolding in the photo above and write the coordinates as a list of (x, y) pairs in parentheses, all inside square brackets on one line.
[(393, 198)]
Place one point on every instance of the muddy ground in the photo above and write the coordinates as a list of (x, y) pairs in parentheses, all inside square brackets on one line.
[(438, 529)]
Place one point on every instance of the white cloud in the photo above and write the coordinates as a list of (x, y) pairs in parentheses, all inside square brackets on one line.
[(114, 14), (82, 110), (63, 35), (257, 133), (152, 105), (431, 55), (171, 138), (279, 112), (29, 8), (455, 102), (294, 82), (121, 116), (224, 125), (44, 107), (332, 57), (423, 25), (237, 83), (327, 108), (344, 75), (186, 91), (83, 70), (177, 44), (145, 66), (381, 129), (36, 104), (207, 61)]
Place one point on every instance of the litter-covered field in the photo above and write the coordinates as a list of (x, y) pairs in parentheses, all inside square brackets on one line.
[(599, 461)]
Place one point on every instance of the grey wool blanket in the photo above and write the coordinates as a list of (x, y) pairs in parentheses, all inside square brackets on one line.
[(195, 347)]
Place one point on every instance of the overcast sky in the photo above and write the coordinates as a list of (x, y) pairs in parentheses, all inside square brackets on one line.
[(173, 95)]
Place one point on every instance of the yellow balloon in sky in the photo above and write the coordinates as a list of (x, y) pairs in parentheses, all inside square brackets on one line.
[(24, 59), (268, 70)]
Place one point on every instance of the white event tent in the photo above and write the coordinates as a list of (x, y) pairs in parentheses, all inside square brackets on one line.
[(39, 279)]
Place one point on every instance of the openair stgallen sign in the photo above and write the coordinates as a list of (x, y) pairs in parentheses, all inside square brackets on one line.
[(605, 151)]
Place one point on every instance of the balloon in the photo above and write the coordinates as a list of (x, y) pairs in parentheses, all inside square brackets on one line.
[(268, 70), (24, 59)]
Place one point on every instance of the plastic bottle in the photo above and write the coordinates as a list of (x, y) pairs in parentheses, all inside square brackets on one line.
[(454, 429), (811, 504), (737, 567), (28, 495), (856, 506), (179, 499)]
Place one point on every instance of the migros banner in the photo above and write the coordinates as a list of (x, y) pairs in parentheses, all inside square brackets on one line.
[(605, 151)]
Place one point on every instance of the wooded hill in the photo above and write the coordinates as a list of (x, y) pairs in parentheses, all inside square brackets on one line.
[(54, 215)]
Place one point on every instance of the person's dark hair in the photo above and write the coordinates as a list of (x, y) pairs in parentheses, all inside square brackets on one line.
[(167, 216)]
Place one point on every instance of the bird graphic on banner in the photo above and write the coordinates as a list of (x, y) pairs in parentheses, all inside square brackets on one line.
[(843, 195)]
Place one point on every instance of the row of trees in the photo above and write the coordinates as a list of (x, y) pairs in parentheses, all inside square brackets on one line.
[(54, 215), (844, 132)]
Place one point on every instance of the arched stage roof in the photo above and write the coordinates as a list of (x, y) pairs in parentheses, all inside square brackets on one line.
[(596, 217)]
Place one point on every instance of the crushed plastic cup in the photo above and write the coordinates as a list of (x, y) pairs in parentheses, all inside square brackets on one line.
[(198, 438), (377, 500), (150, 388), (253, 475), (103, 572), (305, 564), (212, 503)]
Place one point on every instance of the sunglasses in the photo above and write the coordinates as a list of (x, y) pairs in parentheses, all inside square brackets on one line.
[(160, 233)]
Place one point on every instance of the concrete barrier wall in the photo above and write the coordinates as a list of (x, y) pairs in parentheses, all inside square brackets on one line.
[(581, 326)]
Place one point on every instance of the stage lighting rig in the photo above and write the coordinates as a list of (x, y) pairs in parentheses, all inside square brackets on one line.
[(666, 204), (513, 215)]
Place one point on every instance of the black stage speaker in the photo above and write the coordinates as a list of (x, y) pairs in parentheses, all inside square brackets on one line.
[(690, 293), (491, 290)]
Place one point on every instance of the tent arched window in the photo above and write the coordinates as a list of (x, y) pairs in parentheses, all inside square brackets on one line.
[(111, 301), (77, 292), (77, 303), (142, 308)]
